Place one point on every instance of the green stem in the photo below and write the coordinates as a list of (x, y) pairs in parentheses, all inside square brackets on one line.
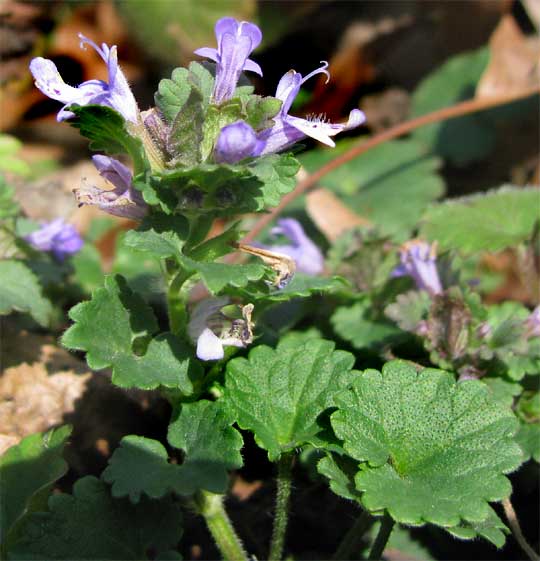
[(353, 538), (381, 540), (176, 304), (210, 506), (281, 515)]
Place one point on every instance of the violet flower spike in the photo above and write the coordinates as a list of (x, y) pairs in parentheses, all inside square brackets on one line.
[(115, 94), (307, 256), (419, 261), (288, 130), (211, 330), (57, 237), (124, 200), (236, 40)]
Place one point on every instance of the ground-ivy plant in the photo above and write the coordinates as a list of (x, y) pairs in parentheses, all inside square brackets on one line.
[(428, 437)]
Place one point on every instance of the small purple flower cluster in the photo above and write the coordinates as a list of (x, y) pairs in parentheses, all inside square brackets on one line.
[(419, 261), (236, 40), (57, 237), (237, 141)]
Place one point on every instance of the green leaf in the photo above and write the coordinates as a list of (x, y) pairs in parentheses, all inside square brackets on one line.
[(9, 162), (340, 472), (89, 524), (491, 529), (173, 93), (277, 173), (515, 353), (9, 207), (465, 139), (409, 309), (20, 291), (187, 132), (391, 185), (528, 438), (502, 391), (161, 235), (484, 222), (115, 326), (260, 110), (107, 131), (432, 450), (217, 117), (217, 276), (279, 393), (354, 324), (27, 470), (211, 446)]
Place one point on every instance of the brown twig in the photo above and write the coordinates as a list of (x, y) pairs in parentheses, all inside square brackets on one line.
[(516, 530), (458, 110)]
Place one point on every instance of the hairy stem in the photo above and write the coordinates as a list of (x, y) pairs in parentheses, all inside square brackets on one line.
[(353, 538), (458, 110), (281, 515), (513, 522), (176, 305), (210, 506), (377, 549)]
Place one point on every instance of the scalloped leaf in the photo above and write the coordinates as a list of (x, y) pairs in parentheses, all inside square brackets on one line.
[(217, 276), (89, 524), (279, 393), (115, 326), (161, 235), (107, 131), (211, 445), (27, 471), (173, 93), (492, 529), (20, 291), (489, 221), (432, 450), (528, 438), (465, 139), (353, 324)]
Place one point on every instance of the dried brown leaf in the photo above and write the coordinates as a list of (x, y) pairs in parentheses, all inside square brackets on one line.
[(330, 215), (514, 63)]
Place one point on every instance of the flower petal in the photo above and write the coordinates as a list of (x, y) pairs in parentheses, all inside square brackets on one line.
[(236, 142), (208, 52), (316, 129), (209, 346), (49, 81), (252, 66), (113, 171)]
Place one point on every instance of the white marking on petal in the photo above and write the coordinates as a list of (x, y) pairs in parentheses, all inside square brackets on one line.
[(209, 346)]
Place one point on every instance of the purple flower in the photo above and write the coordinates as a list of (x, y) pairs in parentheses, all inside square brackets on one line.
[(418, 260), (288, 129), (124, 200), (307, 256), (211, 330), (58, 237), (236, 142), (115, 94), (236, 40), (532, 323)]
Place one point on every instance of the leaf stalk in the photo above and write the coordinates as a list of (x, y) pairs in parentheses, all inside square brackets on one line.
[(352, 540), (281, 515), (210, 506), (377, 549)]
